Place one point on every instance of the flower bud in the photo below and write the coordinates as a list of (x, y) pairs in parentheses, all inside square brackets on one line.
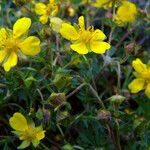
[(117, 99), (47, 115), (70, 11), (57, 99), (130, 48), (104, 115)]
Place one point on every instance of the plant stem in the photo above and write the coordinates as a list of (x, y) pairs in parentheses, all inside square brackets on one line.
[(119, 77), (97, 96), (117, 136), (76, 90), (51, 55), (43, 145)]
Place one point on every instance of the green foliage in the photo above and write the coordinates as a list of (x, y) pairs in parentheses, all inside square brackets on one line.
[(82, 101)]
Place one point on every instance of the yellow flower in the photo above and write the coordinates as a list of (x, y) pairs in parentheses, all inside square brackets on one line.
[(142, 80), (14, 43), (26, 132), (126, 13), (84, 40), (107, 3), (45, 11)]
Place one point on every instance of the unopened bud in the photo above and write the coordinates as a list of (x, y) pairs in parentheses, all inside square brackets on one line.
[(104, 115), (47, 115), (130, 48), (57, 99), (70, 11), (117, 99)]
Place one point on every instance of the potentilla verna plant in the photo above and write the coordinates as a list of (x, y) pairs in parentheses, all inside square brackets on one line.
[(15, 43), (84, 40), (74, 74), (129, 17), (27, 132), (108, 3), (142, 80), (45, 11)]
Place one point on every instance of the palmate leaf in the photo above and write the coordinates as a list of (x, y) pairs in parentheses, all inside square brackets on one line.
[(92, 134), (144, 107)]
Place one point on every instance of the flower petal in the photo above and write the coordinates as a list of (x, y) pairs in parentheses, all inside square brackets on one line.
[(18, 122), (99, 47), (98, 35), (40, 9), (51, 1), (44, 19), (139, 66), (81, 22), (30, 46), (129, 17), (21, 26), (40, 135), (11, 61), (79, 48), (136, 85), (3, 35), (69, 32), (3, 55), (147, 91)]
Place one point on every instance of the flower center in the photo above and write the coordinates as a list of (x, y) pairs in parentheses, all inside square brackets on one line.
[(29, 134), (85, 35), (50, 8), (10, 44), (146, 75)]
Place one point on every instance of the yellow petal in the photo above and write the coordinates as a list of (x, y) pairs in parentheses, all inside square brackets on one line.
[(79, 48), (139, 66), (3, 55), (99, 47), (128, 17), (55, 11), (51, 1), (98, 35), (21, 26), (18, 122), (3, 35), (81, 22), (136, 85), (40, 8), (40, 135), (147, 91), (69, 32), (103, 3), (11, 61), (44, 19), (30, 46)]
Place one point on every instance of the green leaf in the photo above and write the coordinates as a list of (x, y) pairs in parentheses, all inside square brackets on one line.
[(35, 142), (24, 144), (28, 81), (62, 81), (67, 147)]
